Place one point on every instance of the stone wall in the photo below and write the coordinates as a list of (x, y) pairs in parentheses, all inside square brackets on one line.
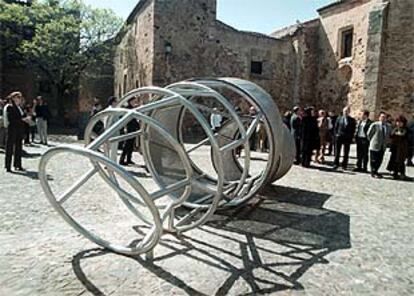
[(305, 39), (95, 82), (341, 81), (168, 41), (134, 56), (397, 81), (203, 46)]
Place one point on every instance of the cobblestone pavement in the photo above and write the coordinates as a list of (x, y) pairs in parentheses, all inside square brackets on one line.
[(315, 232)]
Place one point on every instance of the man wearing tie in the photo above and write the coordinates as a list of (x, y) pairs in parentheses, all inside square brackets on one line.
[(378, 135), (362, 142), (344, 133)]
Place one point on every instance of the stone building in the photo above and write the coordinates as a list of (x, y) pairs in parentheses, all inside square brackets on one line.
[(358, 53)]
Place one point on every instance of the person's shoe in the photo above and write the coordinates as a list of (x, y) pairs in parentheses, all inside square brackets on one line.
[(395, 177), (123, 163), (357, 170), (8, 170), (404, 178), (379, 176), (364, 171), (19, 169)]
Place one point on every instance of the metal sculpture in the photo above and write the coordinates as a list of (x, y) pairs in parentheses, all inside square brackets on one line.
[(193, 193)]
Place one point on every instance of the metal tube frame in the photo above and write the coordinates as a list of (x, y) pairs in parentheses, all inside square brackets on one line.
[(215, 192)]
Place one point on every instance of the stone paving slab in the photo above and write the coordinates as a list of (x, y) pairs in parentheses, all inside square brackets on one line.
[(315, 232)]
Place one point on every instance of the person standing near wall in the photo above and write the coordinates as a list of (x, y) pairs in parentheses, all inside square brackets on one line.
[(309, 136), (331, 146), (42, 114), (410, 127), (324, 125), (399, 148), (16, 119), (215, 120), (2, 124), (132, 126), (362, 142), (30, 126), (344, 134), (96, 108), (378, 135), (287, 116), (253, 138), (296, 131)]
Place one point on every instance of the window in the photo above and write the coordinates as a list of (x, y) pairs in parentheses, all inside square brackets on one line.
[(347, 37), (256, 67)]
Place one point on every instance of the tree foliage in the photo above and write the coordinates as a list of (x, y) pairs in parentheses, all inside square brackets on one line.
[(59, 38)]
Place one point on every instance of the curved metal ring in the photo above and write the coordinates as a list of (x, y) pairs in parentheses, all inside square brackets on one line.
[(152, 237)]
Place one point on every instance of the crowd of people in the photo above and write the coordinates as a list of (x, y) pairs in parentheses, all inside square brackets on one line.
[(322, 133), (316, 135), (20, 121)]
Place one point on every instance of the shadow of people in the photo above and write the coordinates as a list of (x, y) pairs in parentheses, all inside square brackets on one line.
[(34, 175), (31, 155), (281, 228), (336, 171)]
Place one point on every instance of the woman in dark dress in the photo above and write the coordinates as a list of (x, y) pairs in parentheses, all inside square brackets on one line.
[(399, 148)]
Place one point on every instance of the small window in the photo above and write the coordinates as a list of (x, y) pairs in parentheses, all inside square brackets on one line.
[(347, 37), (256, 67)]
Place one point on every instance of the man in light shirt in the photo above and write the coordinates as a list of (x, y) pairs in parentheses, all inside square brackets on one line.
[(362, 142), (378, 135), (215, 120)]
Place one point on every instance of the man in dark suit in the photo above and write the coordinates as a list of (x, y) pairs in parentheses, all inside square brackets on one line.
[(296, 131), (361, 139), (15, 132), (128, 147), (344, 133)]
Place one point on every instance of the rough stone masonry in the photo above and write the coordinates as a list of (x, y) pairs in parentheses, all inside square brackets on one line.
[(358, 52)]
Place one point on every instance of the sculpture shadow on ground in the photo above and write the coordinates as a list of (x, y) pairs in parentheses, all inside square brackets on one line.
[(282, 233)]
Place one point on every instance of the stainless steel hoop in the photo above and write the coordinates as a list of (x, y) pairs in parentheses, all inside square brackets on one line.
[(152, 237), (193, 194)]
